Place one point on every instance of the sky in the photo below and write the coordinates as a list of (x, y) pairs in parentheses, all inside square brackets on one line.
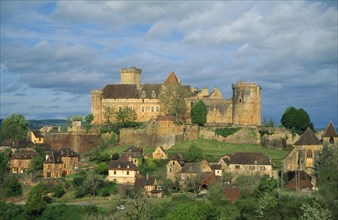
[(53, 53)]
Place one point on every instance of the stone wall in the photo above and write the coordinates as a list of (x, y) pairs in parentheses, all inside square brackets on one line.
[(79, 142)]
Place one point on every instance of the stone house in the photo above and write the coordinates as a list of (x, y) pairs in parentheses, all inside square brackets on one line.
[(149, 185), (50, 129), (60, 163), (192, 172), (160, 153), (217, 169), (133, 154), (242, 109), (174, 166), (19, 145), (20, 162), (303, 155), (122, 172), (330, 136), (36, 137), (246, 163)]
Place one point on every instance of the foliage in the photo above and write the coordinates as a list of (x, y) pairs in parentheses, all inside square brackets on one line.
[(98, 155), (4, 159), (226, 131), (263, 131), (15, 127), (77, 118), (108, 189), (10, 211), (116, 127), (115, 156), (247, 182), (58, 190), (88, 119), (296, 119), (36, 202), (102, 168), (125, 114), (327, 176), (37, 162), (199, 112), (78, 180), (268, 123), (194, 154), (266, 185), (12, 187), (172, 98), (315, 212)]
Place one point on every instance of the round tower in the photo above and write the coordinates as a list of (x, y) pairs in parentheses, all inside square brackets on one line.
[(97, 105), (130, 75), (246, 102)]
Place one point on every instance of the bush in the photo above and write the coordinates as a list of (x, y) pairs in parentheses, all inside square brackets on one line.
[(78, 181), (12, 187), (80, 192), (58, 191), (226, 131), (199, 112)]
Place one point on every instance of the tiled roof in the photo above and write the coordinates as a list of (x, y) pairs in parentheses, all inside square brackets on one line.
[(249, 158), (190, 168), (308, 138), (151, 91), (122, 165), (67, 152), (19, 143), (24, 155), (37, 134), (216, 166), (330, 131), (119, 91), (141, 182), (172, 79), (53, 158), (134, 150)]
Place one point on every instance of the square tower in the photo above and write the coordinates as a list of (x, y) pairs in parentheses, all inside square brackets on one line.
[(131, 75)]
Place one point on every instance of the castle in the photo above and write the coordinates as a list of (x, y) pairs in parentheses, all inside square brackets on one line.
[(243, 109)]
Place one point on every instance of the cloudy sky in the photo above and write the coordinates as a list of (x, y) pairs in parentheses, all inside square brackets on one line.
[(54, 53)]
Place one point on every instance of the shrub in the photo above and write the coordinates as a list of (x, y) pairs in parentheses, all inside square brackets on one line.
[(12, 186), (58, 191), (226, 131)]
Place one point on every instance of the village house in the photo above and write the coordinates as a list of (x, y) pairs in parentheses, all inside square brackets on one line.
[(50, 129), (60, 163), (192, 171), (299, 181), (149, 185), (20, 162), (36, 137), (19, 145), (306, 150), (122, 172), (246, 163), (133, 154), (174, 166), (160, 153)]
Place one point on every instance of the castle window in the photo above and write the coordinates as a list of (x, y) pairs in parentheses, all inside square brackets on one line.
[(309, 154), (331, 140), (144, 94), (142, 108), (157, 108), (153, 94), (237, 167), (152, 108)]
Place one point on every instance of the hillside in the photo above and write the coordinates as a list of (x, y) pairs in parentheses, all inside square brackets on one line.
[(37, 124)]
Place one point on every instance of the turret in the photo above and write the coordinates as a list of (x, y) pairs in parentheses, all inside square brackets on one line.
[(96, 105), (246, 101), (130, 75)]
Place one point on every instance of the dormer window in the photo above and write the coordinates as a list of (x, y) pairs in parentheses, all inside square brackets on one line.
[(119, 166), (144, 94), (153, 94)]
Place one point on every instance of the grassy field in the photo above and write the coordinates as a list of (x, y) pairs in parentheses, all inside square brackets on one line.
[(213, 150)]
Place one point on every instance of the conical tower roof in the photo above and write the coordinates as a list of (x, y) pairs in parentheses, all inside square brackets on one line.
[(172, 79), (330, 131), (308, 138)]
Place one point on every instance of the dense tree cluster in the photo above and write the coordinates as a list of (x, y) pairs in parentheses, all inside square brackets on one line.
[(199, 112), (15, 127), (297, 120)]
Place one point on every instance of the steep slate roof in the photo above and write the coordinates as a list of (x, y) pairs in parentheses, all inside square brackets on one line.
[(178, 158), (330, 131), (54, 158), (149, 89), (67, 152), (122, 165), (37, 134), (19, 144), (24, 155), (134, 150), (172, 79), (119, 91), (308, 138), (249, 158)]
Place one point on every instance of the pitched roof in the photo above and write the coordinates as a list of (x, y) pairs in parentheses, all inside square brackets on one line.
[(54, 158), (249, 158), (141, 182), (67, 152), (122, 165), (216, 166), (24, 155), (190, 168), (178, 158), (118, 91), (172, 79), (330, 131), (134, 150), (161, 148), (19, 143), (37, 134), (308, 138), (150, 91)]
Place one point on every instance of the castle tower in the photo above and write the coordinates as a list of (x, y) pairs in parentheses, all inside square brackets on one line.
[(246, 100), (131, 75), (97, 105)]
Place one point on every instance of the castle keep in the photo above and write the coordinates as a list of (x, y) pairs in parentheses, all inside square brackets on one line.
[(243, 109)]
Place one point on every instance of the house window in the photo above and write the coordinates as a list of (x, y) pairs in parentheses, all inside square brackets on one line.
[(237, 167), (262, 168), (152, 108), (64, 165), (169, 170), (309, 154), (331, 140), (173, 162), (153, 94), (127, 172), (157, 108), (252, 167), (114, 172), (142, 108)]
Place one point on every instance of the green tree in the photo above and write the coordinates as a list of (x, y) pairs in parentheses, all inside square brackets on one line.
[(37, 162), (12, 187), (4, 159), (172, 99), (15, 127), (36, 202), (89, 119), (315, 212), (125, 114), (296, 119), (194, 154), (58, 190), (199, 112), (77, 118)]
